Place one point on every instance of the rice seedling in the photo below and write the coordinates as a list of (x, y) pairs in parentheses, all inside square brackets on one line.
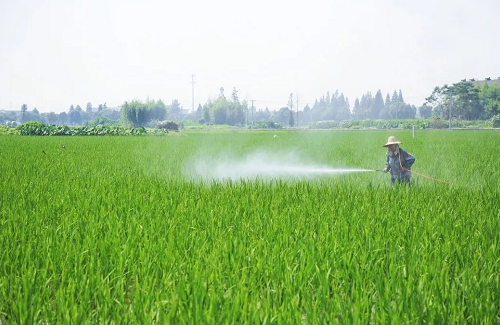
[(118, 230)]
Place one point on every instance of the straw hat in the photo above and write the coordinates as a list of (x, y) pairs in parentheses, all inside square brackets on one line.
[(391, 140)]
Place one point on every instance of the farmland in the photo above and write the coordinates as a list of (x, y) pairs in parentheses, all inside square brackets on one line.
[(117, 229)]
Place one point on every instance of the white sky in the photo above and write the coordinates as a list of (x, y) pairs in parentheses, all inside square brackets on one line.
[(57, 53)]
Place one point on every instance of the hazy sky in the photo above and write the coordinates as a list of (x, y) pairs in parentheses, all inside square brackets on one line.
[(57, 53)]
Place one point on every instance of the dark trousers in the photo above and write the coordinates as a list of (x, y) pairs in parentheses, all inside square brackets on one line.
[(404, 181)]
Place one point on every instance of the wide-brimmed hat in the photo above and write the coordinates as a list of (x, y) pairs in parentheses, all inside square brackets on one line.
[(391, 140)]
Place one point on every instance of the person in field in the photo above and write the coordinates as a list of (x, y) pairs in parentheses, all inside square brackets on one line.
[(398, 162)]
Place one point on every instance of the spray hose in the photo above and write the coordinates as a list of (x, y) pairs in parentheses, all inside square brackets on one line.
[(421, 175)]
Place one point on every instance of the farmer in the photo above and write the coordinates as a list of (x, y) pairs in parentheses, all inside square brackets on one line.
[(398, 162)]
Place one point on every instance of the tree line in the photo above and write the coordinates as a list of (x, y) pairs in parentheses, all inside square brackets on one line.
[(74, 116), (463, 100)]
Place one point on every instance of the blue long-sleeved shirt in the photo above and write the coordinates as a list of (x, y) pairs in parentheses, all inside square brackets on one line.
[(392, 164)]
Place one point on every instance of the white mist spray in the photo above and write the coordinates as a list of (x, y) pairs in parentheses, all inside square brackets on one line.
[(261, 165)]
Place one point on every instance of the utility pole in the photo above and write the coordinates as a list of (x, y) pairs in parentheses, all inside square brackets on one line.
[(297, 110), (252, 111), (192, 93)]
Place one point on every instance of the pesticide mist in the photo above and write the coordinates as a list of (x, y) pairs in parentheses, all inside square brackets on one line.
[(261, 165)]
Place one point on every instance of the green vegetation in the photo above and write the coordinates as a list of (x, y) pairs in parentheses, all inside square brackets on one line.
[(35, 128), (139, 114), (104, 122), (463, 101), (466, 100), (110, 230), (435, 122)]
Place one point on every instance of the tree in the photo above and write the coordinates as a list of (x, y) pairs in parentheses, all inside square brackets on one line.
[(343, 111), (458, 100), (127, 114), (138, 113), (62, 118), (206, 113), (306, 119), (357, 112), (35, 111), (219, 111), (141, 115), (199, 112), (291, 120), (174, 108), (100, 108), (71, 108), (24, 108), (466, 100), (440, 100), (78, 108), (235, 113), (52, 118), (378, 105), (387, 102), (290, 102), (425, 111), (160, 110), (282, 116), (88, 109), (366, 104), (234, 95), (75, 117), (395, 107), (490, 97), (408, 111)]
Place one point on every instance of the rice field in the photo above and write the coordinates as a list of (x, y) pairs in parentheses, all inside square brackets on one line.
[(130, 230)]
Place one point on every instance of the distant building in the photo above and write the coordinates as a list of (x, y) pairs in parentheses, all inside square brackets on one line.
[(116, 109), (8, 111), (495, 81)]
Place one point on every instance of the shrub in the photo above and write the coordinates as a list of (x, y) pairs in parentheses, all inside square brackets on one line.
[(437, 123), (267, 125), (35, 128), (103, 121), (324, 125)]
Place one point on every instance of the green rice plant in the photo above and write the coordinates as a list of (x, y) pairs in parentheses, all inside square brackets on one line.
[(114, 230)]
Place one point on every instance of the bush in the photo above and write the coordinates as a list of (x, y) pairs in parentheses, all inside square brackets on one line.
[(438, 123), (267, 125), (6, 130), (345, 125), (324, 125), (103, 121), (35, 128)]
